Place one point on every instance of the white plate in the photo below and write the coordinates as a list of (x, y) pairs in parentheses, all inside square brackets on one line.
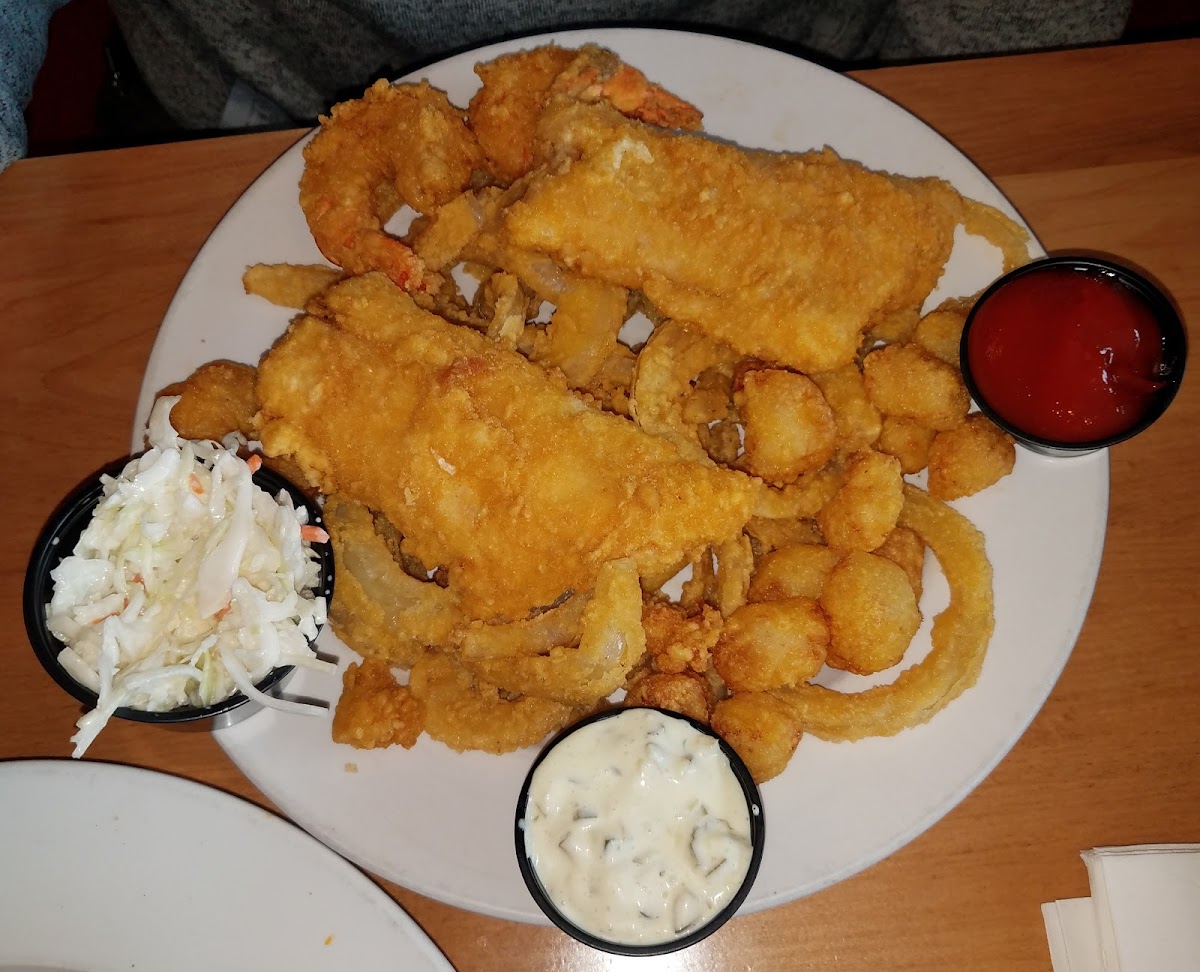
[(439, 822), (106, 868)]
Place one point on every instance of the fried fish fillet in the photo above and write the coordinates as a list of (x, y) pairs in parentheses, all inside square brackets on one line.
[(487, 464), (786, 257)]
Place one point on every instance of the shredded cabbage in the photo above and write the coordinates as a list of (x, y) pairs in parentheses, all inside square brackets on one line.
[(189, 583)]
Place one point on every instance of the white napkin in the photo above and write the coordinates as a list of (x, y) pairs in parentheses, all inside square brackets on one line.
[(1143, 915)]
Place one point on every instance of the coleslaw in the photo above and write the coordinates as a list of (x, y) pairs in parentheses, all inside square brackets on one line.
[(190, 583)]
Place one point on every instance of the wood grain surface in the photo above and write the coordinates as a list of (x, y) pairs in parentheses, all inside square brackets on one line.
[(1099, 149)]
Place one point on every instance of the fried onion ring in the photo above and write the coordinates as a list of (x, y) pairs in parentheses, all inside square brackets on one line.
[(960, 638)]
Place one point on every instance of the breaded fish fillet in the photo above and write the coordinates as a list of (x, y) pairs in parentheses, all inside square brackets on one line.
[(487, 464), (786, 257)]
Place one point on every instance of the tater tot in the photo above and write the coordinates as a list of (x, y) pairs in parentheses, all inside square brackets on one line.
[(872, 613), (796, 571), (686, 693), (775, 644), (907, 381), (940, 331), (908, 441), (972, 457), (856, 417), (789, 427), (905, 548), (864, 511), (761, 729)]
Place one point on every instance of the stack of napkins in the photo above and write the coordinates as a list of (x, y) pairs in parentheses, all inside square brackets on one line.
[(1143, 915)]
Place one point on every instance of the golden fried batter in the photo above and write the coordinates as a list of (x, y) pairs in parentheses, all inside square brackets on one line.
[(972, 457), (785, 257), (680, 692), (376, 711), (872, 613), (216, 399), (906, 381), (789, 426), (798, 570), (677, 642), (762, 730), (865, 509), (907, 440), (487, 465), (771, 645), (465, 712)]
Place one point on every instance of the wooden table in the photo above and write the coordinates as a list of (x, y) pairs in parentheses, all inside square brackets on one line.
[(1099, 149)]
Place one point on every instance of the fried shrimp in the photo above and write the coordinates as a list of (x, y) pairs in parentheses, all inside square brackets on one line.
[(505, 111), (597, 74), (398, 144)]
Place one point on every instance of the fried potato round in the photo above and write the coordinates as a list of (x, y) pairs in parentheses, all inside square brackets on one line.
[(789, 427), (772, 645), (907, 440), (857, 419), (466, 712), (872, 611), (904, 548), (940, 331), (288, 284), (972, 457), (677, 642), (375, 711), (761, 729), (864, 510), (214, 400), (960, 639), (907, 381), (796, 571), (681, 692)]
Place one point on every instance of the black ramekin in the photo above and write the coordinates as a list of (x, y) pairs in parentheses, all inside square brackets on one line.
[(1174, 338), (757, 841), (58, 539)]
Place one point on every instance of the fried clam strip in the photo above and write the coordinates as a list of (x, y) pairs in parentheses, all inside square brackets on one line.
[(397, 144), (378, 609), (577, 667), (825, 249), (485, 462), (466, 712), (662, 383), (960, 638), (289, 284)]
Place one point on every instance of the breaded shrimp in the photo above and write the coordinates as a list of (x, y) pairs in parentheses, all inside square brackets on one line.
[(397, 144)]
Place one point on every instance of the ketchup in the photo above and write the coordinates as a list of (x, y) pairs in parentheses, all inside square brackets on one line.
[(1066, 355)]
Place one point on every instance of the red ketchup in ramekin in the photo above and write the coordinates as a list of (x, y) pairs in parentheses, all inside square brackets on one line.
[(1073, 354)]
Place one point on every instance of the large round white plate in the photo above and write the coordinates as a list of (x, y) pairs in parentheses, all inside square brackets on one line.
[(439, 822), (109, 868)]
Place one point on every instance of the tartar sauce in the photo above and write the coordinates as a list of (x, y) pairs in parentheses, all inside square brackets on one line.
[(637, 828)]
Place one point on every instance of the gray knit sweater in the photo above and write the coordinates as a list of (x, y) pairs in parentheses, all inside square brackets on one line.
[(296, 57)]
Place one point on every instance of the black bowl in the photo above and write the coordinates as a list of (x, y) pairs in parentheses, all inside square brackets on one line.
[(1174, 338), (758, 835), (58, 539)]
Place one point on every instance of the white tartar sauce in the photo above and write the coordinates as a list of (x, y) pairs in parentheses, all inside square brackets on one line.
[(637, 828)]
